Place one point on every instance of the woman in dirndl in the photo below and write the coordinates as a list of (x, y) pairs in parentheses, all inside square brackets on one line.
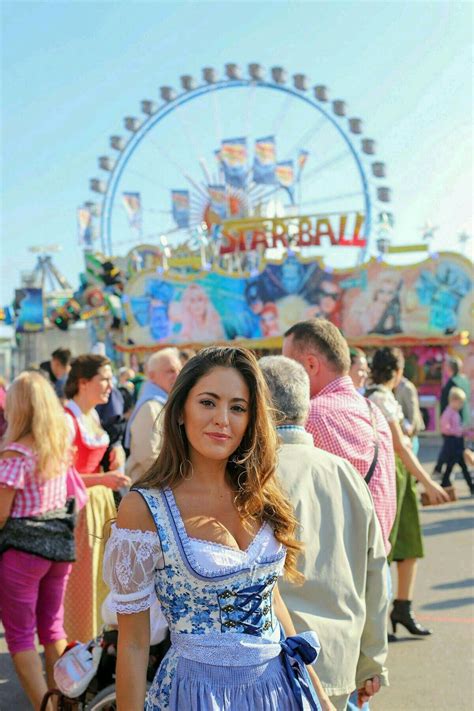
[(208, 532), (386, 372), (89, 384)]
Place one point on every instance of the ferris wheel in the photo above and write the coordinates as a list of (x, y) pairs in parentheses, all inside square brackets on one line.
[(236, 147)]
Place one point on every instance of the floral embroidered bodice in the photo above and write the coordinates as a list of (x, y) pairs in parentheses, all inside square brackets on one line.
[(217, 602), (202, 586)]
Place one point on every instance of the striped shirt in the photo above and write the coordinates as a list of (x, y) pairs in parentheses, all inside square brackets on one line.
[(34, 496), (339, 421)]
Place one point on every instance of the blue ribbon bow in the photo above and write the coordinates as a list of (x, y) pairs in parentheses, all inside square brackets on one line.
[(298, 651)]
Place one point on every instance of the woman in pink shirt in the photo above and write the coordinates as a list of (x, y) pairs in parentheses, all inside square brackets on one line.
[(452, 452), (34, 463)]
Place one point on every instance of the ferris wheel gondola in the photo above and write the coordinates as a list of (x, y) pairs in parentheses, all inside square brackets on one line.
[(176, 143)]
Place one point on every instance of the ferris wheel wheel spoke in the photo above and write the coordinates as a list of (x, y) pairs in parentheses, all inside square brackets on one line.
[(328, 198), (144, 176), (308, 136), (178, 167), (217, 117), (282, 115), (267, 107), (328, 164), (250, 105)]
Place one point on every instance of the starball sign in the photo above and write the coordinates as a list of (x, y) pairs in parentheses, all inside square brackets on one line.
[(260, 233)]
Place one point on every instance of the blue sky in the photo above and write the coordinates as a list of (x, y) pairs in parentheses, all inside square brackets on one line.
[(72, 70)]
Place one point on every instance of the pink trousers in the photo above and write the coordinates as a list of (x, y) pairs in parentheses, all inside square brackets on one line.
[(32, 593)]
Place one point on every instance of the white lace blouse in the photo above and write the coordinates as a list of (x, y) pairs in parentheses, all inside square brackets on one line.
[(132, 558)]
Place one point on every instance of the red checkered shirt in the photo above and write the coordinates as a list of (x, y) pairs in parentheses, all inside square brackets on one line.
[(339, 421), (32, 495)]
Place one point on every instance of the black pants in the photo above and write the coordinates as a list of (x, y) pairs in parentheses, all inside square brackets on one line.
[(441, 460), (449, 468)]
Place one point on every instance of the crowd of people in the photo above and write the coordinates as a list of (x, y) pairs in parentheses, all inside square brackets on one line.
[(255, 505)]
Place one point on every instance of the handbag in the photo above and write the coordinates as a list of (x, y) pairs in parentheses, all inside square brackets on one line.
[(76, 488), (75, 669), (373, 422), (49, 535)]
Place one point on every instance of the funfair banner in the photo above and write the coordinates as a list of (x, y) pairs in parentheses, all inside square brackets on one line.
[(29, 310), (371, 303), (302, 160), (264, 162), (84, 226), (133, 206), (180, 207), (218, 200), (285, 174), (233, 155)]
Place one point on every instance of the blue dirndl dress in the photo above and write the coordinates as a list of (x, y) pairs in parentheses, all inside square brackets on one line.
[(227, 651)]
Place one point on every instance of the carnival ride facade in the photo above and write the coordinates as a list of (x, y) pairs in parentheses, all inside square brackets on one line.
[(239, 205)]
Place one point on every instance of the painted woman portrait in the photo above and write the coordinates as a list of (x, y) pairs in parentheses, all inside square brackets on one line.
[(198, 318), (379, 309)]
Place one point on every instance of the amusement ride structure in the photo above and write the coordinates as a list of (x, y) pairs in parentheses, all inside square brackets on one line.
[(232, 152)]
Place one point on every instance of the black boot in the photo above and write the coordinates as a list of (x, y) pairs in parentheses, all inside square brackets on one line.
[(403, 614)]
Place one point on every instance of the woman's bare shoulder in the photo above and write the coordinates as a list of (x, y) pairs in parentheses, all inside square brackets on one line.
[(133, 513)]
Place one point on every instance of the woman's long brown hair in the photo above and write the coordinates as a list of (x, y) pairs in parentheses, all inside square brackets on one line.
[(252, 467)]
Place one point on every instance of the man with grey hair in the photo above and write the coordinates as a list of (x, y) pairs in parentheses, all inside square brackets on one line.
[(344, 596), (143, 435)]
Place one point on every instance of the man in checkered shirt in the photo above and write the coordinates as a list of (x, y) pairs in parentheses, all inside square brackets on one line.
[(339, 419)]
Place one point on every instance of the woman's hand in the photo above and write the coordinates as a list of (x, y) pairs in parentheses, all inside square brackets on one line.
[(436, 494), (371, 687), (115, 480)]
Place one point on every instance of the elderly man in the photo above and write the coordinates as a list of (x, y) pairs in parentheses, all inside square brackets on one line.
[(344, 596), (340, 420), (143, 435)]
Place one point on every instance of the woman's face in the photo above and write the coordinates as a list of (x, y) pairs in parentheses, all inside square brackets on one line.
[(386, 292), (329, 296), (269, 324), (98, 389), (216, 414), (197, 303), (359, 371)]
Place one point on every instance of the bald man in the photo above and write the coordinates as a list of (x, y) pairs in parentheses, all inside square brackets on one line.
[(143, 436)]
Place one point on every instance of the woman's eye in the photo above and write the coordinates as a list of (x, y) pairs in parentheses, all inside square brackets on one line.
[(239, 408), (207, 403)]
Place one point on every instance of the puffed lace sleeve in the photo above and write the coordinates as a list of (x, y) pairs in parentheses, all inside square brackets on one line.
[(130, 561)]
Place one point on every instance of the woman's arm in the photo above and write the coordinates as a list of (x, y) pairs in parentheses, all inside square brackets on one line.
[(113, 480), (132, 660), (436, 493), (134, 629), (283, 615), (7, 494)]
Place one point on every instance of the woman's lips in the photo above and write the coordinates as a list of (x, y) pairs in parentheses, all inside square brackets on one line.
[(218, 436)]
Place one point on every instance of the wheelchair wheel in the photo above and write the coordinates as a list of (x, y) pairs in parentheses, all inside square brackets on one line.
[(106, 700)]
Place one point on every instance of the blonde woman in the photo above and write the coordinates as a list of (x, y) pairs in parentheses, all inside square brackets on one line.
[(198, 317), (33, 481)]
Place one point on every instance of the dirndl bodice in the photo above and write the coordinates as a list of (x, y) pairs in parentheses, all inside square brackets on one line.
[(227, 648)]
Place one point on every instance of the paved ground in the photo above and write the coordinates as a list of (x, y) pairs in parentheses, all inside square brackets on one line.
[(436, 673), (432, 674)]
